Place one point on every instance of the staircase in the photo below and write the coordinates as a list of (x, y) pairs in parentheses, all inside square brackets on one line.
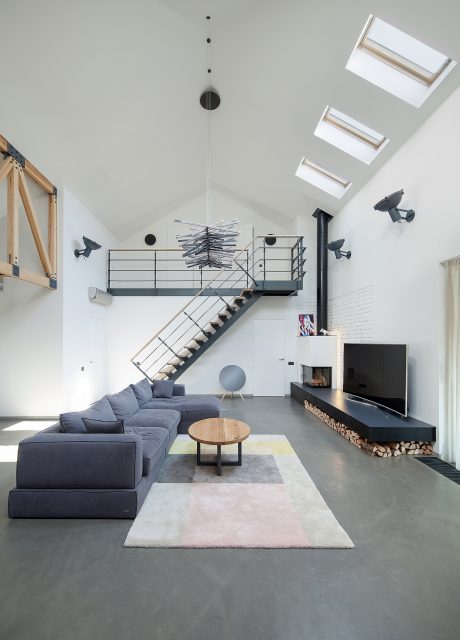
[(209, 314)]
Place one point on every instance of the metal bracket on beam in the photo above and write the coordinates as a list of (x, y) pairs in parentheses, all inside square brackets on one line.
[(15, 270), (14, 153), (53, 283), (54, 190)]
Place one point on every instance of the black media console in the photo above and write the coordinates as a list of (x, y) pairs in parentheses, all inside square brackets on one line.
[(370, 422)]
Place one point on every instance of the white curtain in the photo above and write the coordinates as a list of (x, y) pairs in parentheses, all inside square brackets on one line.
[(451, 448)]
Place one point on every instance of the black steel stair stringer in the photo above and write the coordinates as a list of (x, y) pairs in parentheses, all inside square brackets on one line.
[(215, 336)]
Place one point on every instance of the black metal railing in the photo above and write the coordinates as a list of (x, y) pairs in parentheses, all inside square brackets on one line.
[(154, 270), (201, 317)]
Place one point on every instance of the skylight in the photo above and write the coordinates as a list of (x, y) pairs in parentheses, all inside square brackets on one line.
[(397, 62), (349, 135), (322, 178)]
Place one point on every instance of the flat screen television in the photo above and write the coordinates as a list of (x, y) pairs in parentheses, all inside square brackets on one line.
[(377, 373)]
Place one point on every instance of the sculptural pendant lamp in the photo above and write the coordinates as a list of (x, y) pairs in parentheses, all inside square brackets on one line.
[(209, 244)]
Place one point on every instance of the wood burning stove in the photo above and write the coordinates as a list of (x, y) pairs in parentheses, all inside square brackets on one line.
[(316, 376)]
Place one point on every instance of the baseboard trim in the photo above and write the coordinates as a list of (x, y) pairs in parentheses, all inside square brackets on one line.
[(55, 418)]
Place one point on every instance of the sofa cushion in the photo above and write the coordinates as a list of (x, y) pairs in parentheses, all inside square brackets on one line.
[(79, 461), (190, 407), (155, 444), (123, 403), (178, 389), (103, 426), (142, 391), (72, 422), (163, 388), (164, 419)]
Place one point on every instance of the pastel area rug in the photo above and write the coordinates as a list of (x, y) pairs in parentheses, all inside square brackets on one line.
[(269, 502)]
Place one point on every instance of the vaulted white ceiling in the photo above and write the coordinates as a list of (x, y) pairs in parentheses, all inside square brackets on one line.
[(103, 96)]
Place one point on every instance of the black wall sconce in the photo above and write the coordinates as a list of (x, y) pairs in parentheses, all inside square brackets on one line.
[(270, 240), (90, 245), (390, 204), (336, 247)]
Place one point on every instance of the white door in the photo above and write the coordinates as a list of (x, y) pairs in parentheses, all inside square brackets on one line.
[(96, 354), (269, 357)]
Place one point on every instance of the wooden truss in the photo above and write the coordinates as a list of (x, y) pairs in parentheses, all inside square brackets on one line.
[(14, 169)]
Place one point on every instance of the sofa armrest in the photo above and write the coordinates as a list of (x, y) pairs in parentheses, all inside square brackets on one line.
[(179, 390), (79, 461)]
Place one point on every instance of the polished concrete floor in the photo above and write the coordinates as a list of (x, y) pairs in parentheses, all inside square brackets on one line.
[(73, 580)]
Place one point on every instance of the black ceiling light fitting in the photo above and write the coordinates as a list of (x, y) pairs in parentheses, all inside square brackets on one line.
[(270, 239), (336, 247), (90, 245), (209, 99), (150, 239), (390, 204)]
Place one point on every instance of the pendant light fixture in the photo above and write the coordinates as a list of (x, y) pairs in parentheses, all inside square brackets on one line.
[(209, 244)]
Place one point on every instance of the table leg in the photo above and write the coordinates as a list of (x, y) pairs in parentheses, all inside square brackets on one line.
[(240, 453), (219, 460), (198, 453)]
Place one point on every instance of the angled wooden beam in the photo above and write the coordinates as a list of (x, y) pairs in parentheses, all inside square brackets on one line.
[(34, 278), (6, 270), (6, 168), (33, 222), (3, 144), (52, 233), (12, 220), (38, 177)]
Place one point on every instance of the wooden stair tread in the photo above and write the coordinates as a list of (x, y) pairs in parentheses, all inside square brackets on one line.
[(167, 368), (160, 376)]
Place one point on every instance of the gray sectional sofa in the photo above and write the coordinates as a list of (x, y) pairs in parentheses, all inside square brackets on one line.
[(66, 472)]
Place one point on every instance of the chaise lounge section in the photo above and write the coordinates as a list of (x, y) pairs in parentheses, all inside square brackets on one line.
[(66, 472)]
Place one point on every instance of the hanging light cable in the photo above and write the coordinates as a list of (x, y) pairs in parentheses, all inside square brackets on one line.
[(209, 245)]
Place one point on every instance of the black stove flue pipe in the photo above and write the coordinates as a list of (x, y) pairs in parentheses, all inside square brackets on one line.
[(322, 220)]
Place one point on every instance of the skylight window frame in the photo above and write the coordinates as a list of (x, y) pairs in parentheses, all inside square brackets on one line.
[(395, 60), (352, 131), (324, 173), (350, 135)]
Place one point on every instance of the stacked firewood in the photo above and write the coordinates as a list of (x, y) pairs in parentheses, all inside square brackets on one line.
[(381, 449)]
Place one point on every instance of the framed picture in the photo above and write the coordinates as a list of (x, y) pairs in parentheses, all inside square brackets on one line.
[(306, 325)]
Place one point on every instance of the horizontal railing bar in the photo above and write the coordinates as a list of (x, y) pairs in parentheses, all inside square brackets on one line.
[(193, 270), (237, 249)]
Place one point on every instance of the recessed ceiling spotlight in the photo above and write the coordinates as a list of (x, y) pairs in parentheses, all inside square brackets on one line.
[(322, 178), (350, 136), (397, 62)]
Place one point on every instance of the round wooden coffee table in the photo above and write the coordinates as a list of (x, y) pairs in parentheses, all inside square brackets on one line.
[(219, 431)]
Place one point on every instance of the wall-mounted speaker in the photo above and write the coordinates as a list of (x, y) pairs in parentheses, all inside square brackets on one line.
[(150, 239)]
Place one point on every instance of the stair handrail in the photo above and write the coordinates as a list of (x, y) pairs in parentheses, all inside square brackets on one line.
[(182, 309)]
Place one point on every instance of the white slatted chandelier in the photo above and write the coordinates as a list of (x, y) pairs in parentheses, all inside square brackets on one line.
[(207, 244)]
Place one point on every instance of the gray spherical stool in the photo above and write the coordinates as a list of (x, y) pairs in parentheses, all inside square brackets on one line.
[(232, 378)]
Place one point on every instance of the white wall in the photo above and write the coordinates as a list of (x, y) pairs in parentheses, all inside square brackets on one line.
[(84, 322), (400, 262), (30, 326), (133, 320), (30, 348), (47, 336), (224, 207)]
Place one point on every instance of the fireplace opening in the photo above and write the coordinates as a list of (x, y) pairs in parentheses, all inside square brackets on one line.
[(316, 376)]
